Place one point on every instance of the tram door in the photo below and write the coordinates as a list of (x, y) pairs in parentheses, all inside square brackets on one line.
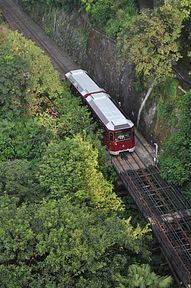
[(106, 137)]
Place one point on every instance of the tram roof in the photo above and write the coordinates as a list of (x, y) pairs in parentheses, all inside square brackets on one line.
[(99, 101), (107, 112), (82, 82)]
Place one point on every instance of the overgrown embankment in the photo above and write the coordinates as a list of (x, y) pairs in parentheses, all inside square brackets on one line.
[(61, 223), (153, 40)]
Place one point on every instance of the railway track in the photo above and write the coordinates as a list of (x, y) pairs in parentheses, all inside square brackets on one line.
[(23, 23), (164, 207)]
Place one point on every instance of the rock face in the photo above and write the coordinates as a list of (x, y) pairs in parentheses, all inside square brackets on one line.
[(145, 4), (102, 64), (97, 54)]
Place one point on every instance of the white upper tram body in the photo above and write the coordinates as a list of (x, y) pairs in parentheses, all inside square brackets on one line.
[(101, 104)]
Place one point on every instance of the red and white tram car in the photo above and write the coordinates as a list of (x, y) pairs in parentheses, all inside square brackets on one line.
[(118, 130)]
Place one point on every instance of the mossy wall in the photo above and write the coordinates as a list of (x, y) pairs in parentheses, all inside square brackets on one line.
[(97, 54)]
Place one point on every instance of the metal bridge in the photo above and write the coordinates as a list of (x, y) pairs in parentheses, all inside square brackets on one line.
[(165, 208)]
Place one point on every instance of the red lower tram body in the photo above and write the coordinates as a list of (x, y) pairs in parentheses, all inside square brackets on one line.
[(120, 141), (118, 130)]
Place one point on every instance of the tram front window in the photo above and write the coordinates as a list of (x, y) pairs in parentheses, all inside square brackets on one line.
[(122, 135)]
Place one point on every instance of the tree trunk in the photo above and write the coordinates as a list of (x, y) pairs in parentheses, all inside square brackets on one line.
[(143, 103)]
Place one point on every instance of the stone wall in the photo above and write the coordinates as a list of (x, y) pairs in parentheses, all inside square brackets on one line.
[(97, 54)]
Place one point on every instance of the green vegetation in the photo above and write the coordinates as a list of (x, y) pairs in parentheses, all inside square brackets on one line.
[(109, 16), (61, 223), (150, 41), (174, 115), (168, 100), (154, 41), (54, 244), (142, 276), (176, 159)]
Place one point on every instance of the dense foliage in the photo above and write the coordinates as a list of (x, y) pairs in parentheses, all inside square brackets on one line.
[(176, 159), (61, 223), (65, 169), (151, 40), (55, 244), (154, 41), (142, 276), (108, 15)]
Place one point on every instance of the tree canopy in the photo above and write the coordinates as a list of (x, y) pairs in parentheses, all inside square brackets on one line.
[(150, 41), (26, 77), (61, 223), (55, 244)]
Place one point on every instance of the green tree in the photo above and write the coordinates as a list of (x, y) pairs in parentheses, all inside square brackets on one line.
[(45, 82), (110, 15), (23, 139), (142, 277), (150, 41), (73, 118), (16, 238), (17, 178), (176, 160), (76, 119), (13, 84), (28, 81), (56, 244), (70, 168), (76, 236)]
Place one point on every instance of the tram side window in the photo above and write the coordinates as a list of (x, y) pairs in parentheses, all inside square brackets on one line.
[(111, 137), (74, 90)]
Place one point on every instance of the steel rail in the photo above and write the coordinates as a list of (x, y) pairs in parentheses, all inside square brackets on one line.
[(158, 200), (22, 21), (159, 227), (175, 191)]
